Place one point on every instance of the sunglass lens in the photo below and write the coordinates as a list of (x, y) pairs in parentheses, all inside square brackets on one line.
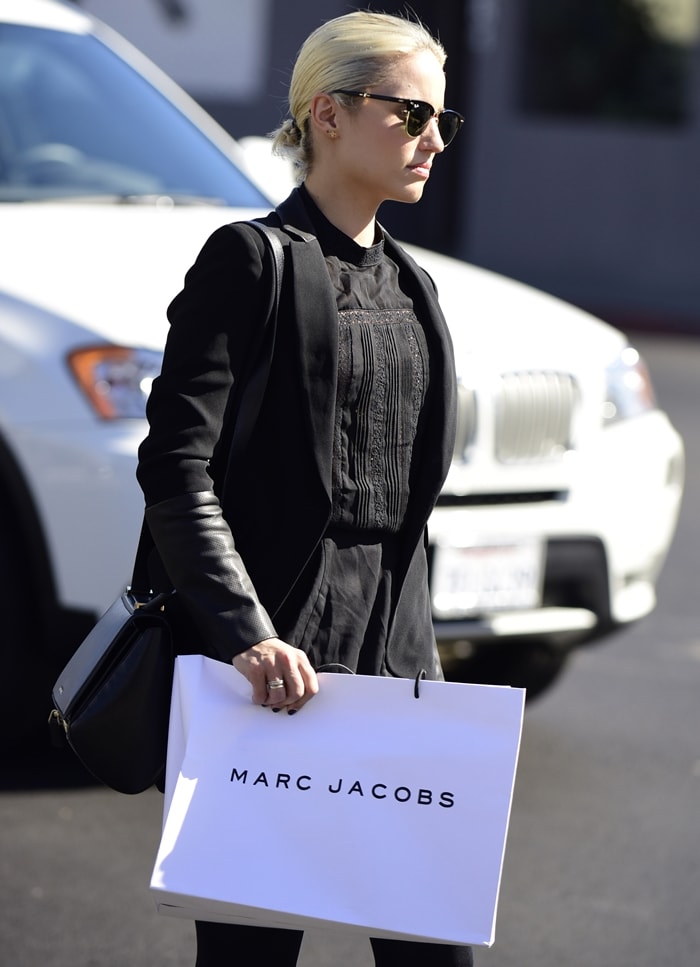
[(449, 123), (417, 119), (419, 116)]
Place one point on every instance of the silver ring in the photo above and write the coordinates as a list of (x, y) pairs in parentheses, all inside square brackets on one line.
[(276, 683)]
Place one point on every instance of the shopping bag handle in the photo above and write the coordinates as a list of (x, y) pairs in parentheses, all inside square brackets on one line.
[(335, 666)]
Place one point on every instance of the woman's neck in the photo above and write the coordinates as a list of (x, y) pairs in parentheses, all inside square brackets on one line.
[(347, 216)]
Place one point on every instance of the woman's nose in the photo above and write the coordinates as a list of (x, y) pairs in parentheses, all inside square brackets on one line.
[(431, 137)]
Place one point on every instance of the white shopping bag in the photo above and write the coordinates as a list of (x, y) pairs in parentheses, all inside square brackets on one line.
[(383, 812)]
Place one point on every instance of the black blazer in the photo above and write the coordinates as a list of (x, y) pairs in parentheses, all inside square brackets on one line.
[(277, 497)]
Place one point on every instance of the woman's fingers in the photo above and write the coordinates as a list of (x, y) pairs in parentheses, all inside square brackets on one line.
[(281, 676), (300, 685)]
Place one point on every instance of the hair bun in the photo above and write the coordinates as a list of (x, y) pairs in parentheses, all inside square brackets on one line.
[(291, 132)]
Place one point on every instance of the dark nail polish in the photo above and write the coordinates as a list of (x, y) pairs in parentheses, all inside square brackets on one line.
[(292, 711), (275, 710)]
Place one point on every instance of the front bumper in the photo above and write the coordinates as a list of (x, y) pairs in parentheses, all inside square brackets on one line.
[(605, 535), (575, 602)]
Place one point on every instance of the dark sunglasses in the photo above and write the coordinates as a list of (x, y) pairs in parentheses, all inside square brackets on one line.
[(418, 115)]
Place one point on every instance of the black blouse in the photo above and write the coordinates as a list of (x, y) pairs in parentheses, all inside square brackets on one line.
[(383, 376)]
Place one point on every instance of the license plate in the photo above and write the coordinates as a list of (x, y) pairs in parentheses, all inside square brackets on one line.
[(491, 577)]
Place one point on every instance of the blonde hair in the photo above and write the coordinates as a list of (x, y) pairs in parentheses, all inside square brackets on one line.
[(355, 51)]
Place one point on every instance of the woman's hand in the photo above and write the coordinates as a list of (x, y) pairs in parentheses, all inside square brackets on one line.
[(281, 675)]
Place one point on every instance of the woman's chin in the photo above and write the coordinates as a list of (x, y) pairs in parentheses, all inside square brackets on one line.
[(410, 194)]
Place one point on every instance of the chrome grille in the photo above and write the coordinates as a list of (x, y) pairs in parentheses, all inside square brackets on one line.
[(466, 421), (533, 413)]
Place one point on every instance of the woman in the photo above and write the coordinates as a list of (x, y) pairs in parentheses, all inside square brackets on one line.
[(309, 549)]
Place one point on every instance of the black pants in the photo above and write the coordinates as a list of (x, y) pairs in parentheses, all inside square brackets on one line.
[(230, 945)]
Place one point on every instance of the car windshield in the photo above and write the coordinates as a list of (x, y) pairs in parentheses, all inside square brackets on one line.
[(76, 120)]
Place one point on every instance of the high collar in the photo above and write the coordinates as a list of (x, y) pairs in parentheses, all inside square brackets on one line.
[(336, 243), (299, 211)]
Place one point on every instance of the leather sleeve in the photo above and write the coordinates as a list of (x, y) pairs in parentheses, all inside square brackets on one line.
[(197, 550)]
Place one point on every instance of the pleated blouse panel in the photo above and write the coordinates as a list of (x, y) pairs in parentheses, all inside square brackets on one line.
[(382, 384)]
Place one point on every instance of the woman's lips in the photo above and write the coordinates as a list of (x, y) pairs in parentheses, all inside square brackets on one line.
[(422, 169)]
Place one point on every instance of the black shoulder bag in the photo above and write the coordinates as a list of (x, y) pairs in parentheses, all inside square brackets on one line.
[(112, 699)]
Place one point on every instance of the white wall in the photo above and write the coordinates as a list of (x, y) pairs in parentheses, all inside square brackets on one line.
[(212, 48)]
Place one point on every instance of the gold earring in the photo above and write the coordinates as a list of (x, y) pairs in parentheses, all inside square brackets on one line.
[(331, 133)]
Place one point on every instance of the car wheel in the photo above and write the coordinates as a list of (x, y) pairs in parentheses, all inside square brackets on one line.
[(533, 665), (25, 672)]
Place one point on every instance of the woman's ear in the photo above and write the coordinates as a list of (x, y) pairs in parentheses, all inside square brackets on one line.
[(323, 113)]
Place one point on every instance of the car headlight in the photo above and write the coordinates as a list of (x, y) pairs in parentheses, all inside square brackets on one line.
[(115, 379), (629, 391)]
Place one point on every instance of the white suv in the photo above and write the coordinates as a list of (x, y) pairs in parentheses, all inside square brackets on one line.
[(564, 493)]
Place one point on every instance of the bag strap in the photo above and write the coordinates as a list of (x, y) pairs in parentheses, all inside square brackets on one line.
[(251, 401), (256, 383)]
